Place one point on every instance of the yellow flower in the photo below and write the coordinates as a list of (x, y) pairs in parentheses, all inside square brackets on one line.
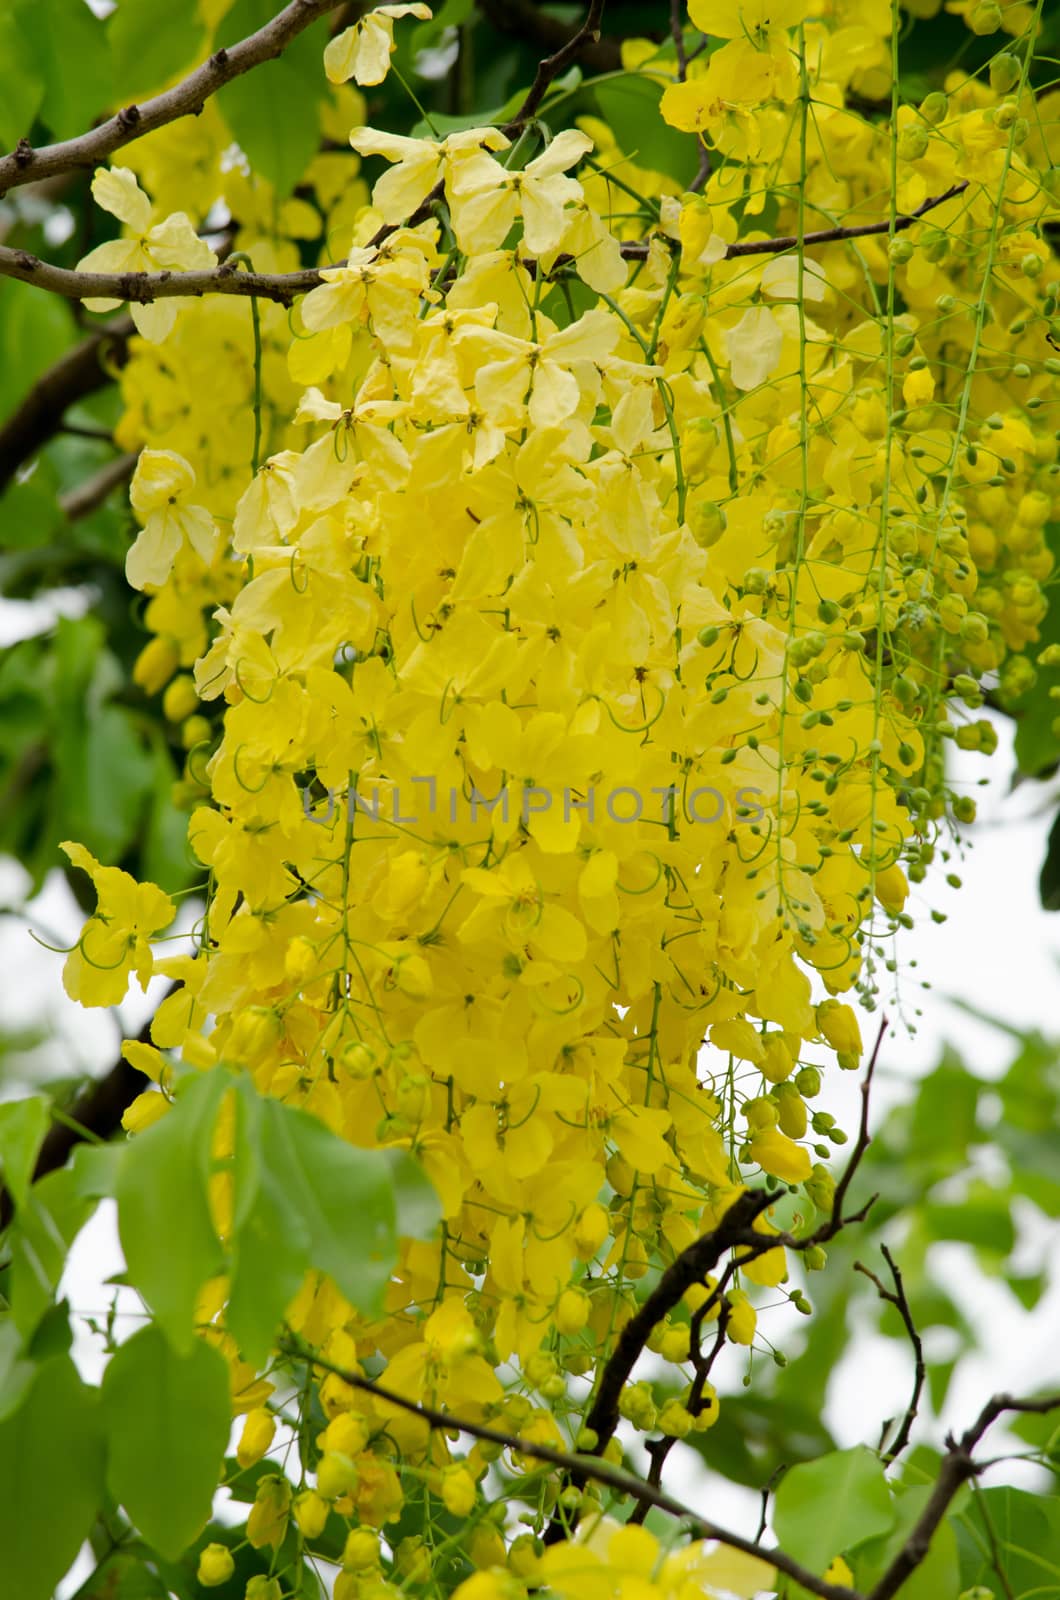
[(362, 52), (259, 1428), (168, 245), (161, 489), (216, 1565), (918, 387), (267, 1522), (115, 940), (486, 198), (837, 1024), (781, 1156)]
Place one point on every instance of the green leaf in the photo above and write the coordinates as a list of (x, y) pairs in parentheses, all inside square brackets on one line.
[(21, 84), (16, 1373), (272, 111), (51, 1480), (851, 1484), (167, 1232), (167, 1418), (44, 1228), (936, 1575), (343, 1196), (151, 44), (35, 329), (419, 1210), (982, 1218), (629, 103), (271, 1239), (69, 46), (306, 1198), (23, 1124), (1026, 1530)]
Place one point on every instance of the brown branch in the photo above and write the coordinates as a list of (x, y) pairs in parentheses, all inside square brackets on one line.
[(83, 500), (80, 372), (142, 287), (691, 1266), (95, 1114), (187, 98), (791, 241), (829, 1229), (604, 1472), (553, 65), (659, 1449), (522, 20), (897, 1297), (677, 31), (957, 1468), (283, 287)]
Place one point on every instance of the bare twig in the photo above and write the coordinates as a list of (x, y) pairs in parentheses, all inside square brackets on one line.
[(80, 372), (829, 1229), (588, 1467), (897, 1297), (677, 31), (83, 500), (553, 65), (187, 98), (792, 241), (957, 1468), (526, 22)]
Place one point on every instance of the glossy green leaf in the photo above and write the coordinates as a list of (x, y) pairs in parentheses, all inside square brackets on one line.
[(272, 111), (167, 1417), (23, 1124), (167, 1233), (51, 1480), (851, 1484), (151, 44), (69, 48), (35, 328), (21, 82)]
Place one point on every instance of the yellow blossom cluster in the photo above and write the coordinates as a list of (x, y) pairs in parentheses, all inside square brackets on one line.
[(572, 682)]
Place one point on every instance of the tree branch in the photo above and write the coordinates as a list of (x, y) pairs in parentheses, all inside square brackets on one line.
[(283, 287), (80, 372), (97, 1112), (187, 98), (897, 1298), (83, 500), (604, 1472), (691, 1266), (524, 21), (957, 1468)]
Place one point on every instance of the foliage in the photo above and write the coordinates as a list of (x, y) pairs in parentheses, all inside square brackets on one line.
[(575, 502)]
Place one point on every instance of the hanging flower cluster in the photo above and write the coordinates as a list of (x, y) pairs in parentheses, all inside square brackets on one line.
[(571, 686)]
